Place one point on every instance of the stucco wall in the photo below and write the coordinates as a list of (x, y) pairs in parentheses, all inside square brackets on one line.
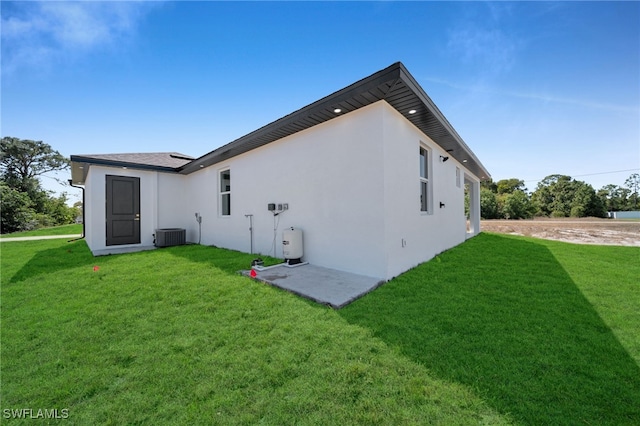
[(412, 236), (330, 175), (352, 186), (173, 204), (95, 196)]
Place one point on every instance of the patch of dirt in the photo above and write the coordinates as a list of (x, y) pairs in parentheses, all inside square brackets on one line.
[(571, 230)]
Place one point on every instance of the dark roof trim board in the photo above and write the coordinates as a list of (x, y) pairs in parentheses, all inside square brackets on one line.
[(167, 162), (394, 84)]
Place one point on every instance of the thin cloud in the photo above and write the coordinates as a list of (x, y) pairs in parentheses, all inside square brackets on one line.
[(490, 49), (481, 38), (577, 102), (537, 96), (44, 33)]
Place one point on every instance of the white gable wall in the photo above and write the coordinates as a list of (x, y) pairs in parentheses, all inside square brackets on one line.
[(352, 186), (162, 201), (411, 236), (330, 175), (95, 192)]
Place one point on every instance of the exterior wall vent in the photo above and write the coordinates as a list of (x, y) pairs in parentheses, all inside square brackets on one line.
[(167, 237)]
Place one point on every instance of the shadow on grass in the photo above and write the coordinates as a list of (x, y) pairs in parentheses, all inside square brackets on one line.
[(229, 261), (73, 254), (65, 255), (513, 326)]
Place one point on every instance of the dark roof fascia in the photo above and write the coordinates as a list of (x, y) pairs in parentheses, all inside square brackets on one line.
[(127, 164), (426, 100), (382, 85), (324, 106)]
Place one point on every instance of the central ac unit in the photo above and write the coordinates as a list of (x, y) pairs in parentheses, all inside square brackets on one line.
[(170, 237)]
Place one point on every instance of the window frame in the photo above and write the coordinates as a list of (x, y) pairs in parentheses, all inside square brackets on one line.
[(222, 194), (458, 177), (426, 181)]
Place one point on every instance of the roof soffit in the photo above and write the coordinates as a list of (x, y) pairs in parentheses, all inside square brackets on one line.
[(155, 161), (394, 84)]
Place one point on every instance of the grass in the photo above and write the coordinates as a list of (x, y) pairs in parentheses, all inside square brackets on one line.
[(177, 336), (74, 229), (499, 330), (547, 332)]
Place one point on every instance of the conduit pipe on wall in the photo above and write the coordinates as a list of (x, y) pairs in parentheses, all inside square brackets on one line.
[(83, 221), (199, 220), (250, 216)]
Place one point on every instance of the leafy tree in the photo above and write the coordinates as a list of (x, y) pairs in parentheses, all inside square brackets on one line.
[(586, 202), (633, 183), (16, 212), (488, 204), (490, 185), (561, 196), (516, 205), (58, 210), (25, 205), (508, 186), (554, 195), (614, 197), (22, 160)]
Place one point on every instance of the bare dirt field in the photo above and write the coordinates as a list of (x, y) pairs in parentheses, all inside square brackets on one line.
[(571, 230)]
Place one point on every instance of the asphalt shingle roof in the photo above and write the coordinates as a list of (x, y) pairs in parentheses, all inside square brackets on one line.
[(155, 159)]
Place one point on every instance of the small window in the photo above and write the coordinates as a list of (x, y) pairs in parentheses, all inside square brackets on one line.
[(458, 177), (225, 192), (425, 183)]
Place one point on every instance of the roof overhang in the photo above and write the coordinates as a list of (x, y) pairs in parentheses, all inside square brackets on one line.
[(80, 163), (394, 84)]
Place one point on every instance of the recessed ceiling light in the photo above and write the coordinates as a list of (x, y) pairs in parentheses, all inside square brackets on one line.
[(413, 111), (201, 165), (337, 110), (464, 161)]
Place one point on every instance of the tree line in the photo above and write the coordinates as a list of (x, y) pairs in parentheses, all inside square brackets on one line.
[(556, 196), (24, 204)]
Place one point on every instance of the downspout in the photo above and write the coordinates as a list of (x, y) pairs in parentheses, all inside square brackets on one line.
[(83, 210)]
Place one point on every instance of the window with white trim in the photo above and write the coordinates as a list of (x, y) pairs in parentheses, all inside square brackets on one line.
[(425, 182), (225, 192)]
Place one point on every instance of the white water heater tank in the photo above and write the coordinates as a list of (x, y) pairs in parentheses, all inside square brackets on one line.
[(292, 243)]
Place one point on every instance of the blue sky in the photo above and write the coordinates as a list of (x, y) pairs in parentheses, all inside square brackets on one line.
[(534, 88)]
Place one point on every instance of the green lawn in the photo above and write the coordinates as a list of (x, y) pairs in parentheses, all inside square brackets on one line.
[(548, 332), (500, 330), (56, 230)]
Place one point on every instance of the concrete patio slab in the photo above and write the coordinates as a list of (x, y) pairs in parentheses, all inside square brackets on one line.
[(323, 285)]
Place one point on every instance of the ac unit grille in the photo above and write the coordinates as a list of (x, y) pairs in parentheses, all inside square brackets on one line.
[(170, 237)]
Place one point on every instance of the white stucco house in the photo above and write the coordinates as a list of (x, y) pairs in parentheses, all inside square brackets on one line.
[(374, 175)]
